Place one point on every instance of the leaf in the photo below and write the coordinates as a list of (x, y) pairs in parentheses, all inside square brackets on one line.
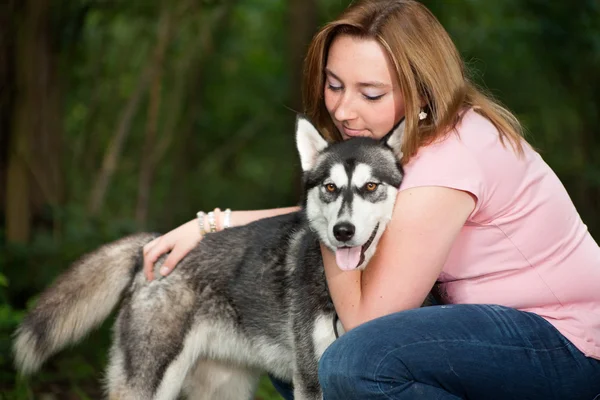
[(3, 280)]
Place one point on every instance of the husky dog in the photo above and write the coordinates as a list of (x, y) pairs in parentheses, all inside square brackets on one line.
[(247, 300)]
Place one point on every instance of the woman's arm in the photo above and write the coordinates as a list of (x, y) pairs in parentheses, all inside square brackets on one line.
[(181, 240), (408, 260), (239, 218)]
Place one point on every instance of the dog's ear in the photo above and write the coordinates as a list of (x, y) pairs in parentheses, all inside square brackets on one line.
[(394, 139), (309, 142)]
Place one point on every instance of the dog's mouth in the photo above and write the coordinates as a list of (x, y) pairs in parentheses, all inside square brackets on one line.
[(349, 258)]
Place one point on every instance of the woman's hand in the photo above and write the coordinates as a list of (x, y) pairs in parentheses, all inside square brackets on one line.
[(183, 239), (179, 242)]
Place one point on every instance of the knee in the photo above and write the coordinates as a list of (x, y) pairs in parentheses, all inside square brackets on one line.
[(338, 367), (352, 363)]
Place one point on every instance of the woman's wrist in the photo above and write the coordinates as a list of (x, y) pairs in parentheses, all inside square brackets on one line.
[(213, 221)]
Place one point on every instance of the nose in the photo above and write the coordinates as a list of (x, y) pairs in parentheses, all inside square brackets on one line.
[(345, 110), (343, 231)]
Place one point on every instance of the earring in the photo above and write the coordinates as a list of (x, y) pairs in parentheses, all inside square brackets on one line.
[(422, 115)]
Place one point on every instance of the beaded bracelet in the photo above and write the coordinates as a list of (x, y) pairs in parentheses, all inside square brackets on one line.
[(227, 219), (211, 221), (200, 215)]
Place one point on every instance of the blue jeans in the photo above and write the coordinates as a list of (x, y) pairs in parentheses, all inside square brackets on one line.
[(475, 352)]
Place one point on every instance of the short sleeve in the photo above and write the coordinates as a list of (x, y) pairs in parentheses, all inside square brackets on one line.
[(448, 163)]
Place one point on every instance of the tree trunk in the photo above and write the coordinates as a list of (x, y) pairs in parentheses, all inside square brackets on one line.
[(148, 164), (302, 24), (18, 211), (33, 171), (113, 152), (190, 74), (7, 88)]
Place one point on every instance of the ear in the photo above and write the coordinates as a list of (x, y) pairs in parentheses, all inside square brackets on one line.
[(394, 139), (309, 143)]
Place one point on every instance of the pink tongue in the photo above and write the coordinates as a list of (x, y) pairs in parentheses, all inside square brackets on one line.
[(348, 258)]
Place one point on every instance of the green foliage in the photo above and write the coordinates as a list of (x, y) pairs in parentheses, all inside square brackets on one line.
[(9, 319), (225, 127), (266, 391)]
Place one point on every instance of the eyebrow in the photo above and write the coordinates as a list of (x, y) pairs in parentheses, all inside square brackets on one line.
[(375, 84)]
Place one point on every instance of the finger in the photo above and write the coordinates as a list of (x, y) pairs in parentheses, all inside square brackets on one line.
[(151, 257), (148, 246), (173, 259), (149, 267)]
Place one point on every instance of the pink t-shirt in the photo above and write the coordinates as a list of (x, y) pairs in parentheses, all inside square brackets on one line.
[(524, 246)]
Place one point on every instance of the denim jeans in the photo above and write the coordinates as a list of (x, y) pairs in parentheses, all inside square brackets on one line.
[(452, 352)]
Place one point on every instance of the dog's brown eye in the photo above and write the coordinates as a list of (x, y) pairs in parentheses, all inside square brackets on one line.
[(330, 187), (371, 186)]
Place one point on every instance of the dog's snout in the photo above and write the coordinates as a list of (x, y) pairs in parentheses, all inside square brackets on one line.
[(343, 231)]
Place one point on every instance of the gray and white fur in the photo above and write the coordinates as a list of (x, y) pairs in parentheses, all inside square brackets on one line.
[(245, 301)]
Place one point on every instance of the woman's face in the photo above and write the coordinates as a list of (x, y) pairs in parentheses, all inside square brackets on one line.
[(362, 93)]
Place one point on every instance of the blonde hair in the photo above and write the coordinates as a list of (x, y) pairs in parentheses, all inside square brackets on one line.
[(428, 66)]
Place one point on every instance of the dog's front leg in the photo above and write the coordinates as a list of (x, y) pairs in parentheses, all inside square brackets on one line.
[(304, 391), (306, 376)]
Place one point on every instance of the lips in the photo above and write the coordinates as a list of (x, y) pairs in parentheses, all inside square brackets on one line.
[(368, 243), (352, 132)]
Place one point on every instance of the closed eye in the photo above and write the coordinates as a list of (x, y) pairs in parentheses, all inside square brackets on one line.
[(373, 98)]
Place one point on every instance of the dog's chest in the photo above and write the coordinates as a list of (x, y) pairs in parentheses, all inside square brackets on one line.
[(323, 333)]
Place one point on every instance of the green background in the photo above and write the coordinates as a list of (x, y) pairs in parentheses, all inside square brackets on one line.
[(118, 116)]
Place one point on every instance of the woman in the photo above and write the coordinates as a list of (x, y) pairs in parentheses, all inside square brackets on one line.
[(479, 213)]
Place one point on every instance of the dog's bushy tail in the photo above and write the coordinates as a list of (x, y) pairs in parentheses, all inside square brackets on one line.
[(78, 301)]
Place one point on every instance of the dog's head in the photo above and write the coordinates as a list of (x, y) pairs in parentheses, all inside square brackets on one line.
[(350, 189)]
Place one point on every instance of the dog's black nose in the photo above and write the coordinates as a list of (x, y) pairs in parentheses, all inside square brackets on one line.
[(343, 231)]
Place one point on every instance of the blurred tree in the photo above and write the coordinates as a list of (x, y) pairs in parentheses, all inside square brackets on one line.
[(35, 142), (302, 17), (7, 89), (113, 151), (147, 165)]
